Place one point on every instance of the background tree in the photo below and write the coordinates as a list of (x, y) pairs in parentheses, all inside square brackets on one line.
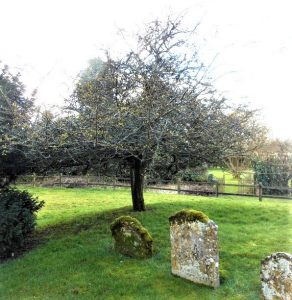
[(274, 147), (58, 144), (94, 67), (241, 161), (15, 113), (155, 105)]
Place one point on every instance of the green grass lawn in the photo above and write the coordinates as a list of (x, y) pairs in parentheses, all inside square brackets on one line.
[(76, 259), (219, 173)]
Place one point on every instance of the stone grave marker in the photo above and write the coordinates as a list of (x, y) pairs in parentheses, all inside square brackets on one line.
[(131, 238), (276, 277), (194, 247)]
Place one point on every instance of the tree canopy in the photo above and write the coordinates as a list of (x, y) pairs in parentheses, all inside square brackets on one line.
[(155, 108)]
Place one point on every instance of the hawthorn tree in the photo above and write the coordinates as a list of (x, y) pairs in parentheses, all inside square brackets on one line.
[(155, 106)]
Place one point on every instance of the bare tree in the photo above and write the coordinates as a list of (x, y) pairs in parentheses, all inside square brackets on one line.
[(155, 104)]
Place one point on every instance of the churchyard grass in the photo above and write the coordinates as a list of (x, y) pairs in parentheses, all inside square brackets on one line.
[(76, 260)]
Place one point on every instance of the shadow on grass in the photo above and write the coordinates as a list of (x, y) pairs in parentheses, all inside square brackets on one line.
[(237, 217), (236, 214), (81, 223), (62, 229)]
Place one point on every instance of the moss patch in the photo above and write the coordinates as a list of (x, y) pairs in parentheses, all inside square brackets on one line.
[(131, 238), (223, 275), (188, 215)]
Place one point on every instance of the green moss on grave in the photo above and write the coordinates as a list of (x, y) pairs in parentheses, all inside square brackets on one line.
[(188, 215), (131, 238), (223, 275), (127, 220)]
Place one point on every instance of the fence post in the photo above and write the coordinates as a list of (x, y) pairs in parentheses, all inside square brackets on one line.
[(260, 191), (255, 185), (60, 179), (178, 186), (217, 188), (33, 179)]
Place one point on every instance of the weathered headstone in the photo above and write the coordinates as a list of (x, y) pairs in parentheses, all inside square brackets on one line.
[(131, 238), (194, 247), (276, 277)]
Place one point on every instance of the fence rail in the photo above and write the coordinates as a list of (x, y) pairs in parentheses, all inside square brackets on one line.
[(198, 188)]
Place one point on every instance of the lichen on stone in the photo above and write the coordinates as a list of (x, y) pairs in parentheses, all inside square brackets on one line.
[(131, 238), (276, 276), (188, 215), (194, 248)]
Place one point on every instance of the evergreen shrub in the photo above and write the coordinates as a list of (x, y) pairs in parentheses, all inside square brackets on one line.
[(17, 219)]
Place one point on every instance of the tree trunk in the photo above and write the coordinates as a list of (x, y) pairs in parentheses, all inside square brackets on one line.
[(137, 179)]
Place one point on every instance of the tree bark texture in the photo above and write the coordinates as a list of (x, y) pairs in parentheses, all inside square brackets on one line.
[(137, 180)]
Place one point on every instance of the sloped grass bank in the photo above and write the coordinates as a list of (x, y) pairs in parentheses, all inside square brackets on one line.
[(76, 259)]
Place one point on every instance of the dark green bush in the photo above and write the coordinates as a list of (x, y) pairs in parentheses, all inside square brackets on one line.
[(17, 219), (211, 179), (198, 174), (275, 171)]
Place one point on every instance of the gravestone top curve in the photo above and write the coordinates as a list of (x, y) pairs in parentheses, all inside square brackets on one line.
[(131, 238)]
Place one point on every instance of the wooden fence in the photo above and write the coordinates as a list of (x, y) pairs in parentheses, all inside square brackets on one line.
[(215, 188)]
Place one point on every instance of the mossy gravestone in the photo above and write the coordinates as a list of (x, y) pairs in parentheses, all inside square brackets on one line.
[(194, 247), (276, 277), (131, 238)]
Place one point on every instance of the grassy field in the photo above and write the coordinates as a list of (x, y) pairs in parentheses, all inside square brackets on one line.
[(219, 174), (76, 259), (246, 178)]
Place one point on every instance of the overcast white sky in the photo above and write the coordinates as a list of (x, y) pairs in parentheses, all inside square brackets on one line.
[(50, 41)]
